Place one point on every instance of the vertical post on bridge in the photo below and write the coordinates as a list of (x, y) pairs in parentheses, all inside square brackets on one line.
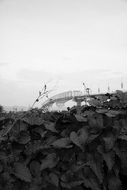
[(78, 101), (78, 107)]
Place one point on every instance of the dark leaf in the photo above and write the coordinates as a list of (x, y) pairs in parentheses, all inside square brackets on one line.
[(97, 169), (80, 118), (22, 172), (23, 137), (62, 143), (92, 137), (40, 131), (109, 141), (114, 183), (123, 137), (35, 168), (34, 120), (91, 183), (54, 179), (75, 139), (50, 126), (112, 113), (49, 162), (108, 157), (101, 111), (71, 185), (83, 135)]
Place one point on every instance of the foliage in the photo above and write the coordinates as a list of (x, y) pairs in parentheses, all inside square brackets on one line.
[(1, 109), (42, 151)]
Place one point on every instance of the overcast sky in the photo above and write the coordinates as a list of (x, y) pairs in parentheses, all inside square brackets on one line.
[(63, 42)]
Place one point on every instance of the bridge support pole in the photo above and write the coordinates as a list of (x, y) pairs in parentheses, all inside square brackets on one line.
[(78, 103), (78, 100), (78, 106)]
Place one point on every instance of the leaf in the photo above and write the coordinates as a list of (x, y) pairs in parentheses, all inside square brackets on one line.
[(75, 139), (112, 113), (123, 137), (113, 98), (2, 119), (6, 130), (70, 185), (54, 179), (75, 168), (117, 126), (94, 102), (92, 137), (96, 168), (99, 120), (122, 154), (50, 126), (91, 183), (89, 113), (64, 178), (109, 142), (64, 133), (3, 155), (114, 183), (109, 157), (49, 162), (92, 121), (35, 168), (40, 131), (96, 120), (70, 180), (80, 118), (22, 172), (102, 111), (62, 143), (23, 126), (33, 120), (34, 147), (50, 140), (23, 137), (82, 135)]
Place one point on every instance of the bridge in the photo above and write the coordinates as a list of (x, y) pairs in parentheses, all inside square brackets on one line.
[(76, 96)]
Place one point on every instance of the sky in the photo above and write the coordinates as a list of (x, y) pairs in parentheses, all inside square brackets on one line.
[(62, 43)]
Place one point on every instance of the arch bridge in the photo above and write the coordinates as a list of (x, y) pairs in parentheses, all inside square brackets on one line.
[(61, 98)]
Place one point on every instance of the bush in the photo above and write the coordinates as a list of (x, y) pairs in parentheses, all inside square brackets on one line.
[(60, 151)]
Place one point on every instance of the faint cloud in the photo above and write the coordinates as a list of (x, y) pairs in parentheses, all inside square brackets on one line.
[(67, 58), (4, 64), (38, 77), (1, 1), (32, 75), (124, 1), (118, 74)]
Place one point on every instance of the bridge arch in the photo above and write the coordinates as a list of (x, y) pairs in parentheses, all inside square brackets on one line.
[(64, 96)]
